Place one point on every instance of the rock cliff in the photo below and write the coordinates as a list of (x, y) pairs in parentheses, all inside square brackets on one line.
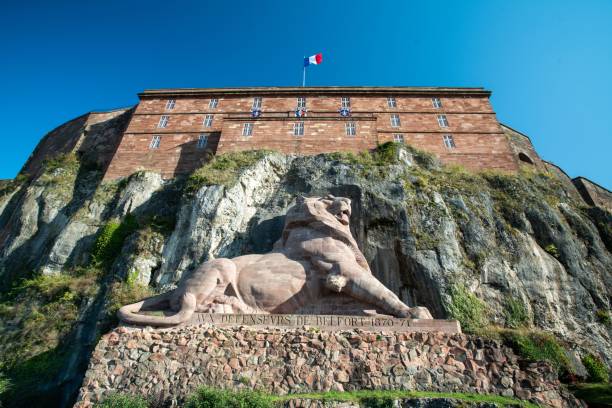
[(491, 249)]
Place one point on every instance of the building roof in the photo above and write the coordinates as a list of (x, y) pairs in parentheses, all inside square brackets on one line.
[(318, 90)]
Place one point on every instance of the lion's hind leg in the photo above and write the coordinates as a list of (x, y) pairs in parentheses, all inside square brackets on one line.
[(210, 280)]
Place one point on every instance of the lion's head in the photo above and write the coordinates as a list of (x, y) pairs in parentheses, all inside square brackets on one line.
[(329, 214), (332, 211)]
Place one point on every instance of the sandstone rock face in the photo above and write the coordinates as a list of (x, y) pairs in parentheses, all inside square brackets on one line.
[(170, 364), (210, 225), (420, 234)]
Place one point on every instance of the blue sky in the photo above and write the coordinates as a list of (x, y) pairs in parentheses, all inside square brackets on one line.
[(548, 63)]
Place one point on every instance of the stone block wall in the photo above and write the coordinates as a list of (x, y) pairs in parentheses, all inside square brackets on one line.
[(593, 193), (172, 363), (95, 136), (522, 148)]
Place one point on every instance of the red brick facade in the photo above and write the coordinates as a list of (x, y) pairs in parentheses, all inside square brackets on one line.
[(479, 140)]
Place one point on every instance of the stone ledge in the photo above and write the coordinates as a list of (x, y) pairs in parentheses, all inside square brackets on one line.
[(326, 322), (173, 363)]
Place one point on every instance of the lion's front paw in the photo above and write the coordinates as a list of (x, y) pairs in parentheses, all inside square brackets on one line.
[(420, 312)]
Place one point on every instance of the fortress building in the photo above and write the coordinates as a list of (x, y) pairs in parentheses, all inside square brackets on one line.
[(174, 131)]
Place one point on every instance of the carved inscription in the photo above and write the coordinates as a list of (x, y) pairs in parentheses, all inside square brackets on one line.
[(330, 322)]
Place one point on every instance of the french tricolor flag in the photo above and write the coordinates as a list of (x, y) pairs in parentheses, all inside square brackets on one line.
[(313, 60)]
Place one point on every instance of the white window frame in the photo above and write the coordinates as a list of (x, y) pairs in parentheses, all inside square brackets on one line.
[(170, 104), (163, 121), (298, 128), (398, 137), (391, 102), (247, 129), (155, 142), (350, 128), (345, 102), (449, 141), (213, 103), (257, 102), (208, 120), (301, 102), (442, 121), (436, 102), (395, 120), (202, 141)]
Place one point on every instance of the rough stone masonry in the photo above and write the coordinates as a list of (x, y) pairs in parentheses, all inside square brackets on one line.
[(172, 363)]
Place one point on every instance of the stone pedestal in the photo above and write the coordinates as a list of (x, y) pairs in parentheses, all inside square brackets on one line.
[(172, 363)]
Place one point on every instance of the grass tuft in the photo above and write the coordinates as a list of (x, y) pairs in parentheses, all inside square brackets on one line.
[(110, 240), (535, 345), (214, 398), (123, 401), (598, 372), (516, 313), (603, 316), (467, 308), (223, 169)]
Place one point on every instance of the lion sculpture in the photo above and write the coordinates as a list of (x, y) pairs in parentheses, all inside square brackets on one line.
[(315, 259)]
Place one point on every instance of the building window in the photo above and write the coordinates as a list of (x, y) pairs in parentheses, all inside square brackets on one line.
[(449, 142), (398, 138), (391, 102), (257, 102), (442, 121), (208, 120), (351, 128), (395, 120), (213, 103), (170, 104), (247, 129), (163, 121), (301, 102), (437, 103), (298, 129), (155, 142), (345, 102), (202, 141)]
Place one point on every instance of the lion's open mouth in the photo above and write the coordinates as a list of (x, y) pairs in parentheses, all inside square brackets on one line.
[(344, 217)]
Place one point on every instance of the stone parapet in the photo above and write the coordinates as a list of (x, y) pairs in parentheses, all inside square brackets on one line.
[(172, 363)]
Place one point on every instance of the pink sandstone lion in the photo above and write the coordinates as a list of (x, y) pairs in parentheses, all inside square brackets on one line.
[(316, 256)]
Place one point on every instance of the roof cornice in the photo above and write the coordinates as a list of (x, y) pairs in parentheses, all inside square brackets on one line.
[(318, 90)]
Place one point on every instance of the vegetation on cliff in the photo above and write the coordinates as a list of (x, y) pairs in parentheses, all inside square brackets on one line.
[(223, 169)]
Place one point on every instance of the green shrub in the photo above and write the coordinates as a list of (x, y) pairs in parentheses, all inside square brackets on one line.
[(64, 161), (598, 372), (539, 346), (124, 293), (378, 402), (603, 316), (467, 308), (42, 311), (223, 169), (422, 158), (515, 313), (123, 401), (110, 240), (212, 398), (552, 249), (595, 395), (5, 383)]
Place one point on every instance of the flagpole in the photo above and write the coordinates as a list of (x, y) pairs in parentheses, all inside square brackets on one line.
[(304, 73)]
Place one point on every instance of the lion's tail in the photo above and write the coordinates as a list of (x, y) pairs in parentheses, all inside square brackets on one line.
[(128, 313)]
